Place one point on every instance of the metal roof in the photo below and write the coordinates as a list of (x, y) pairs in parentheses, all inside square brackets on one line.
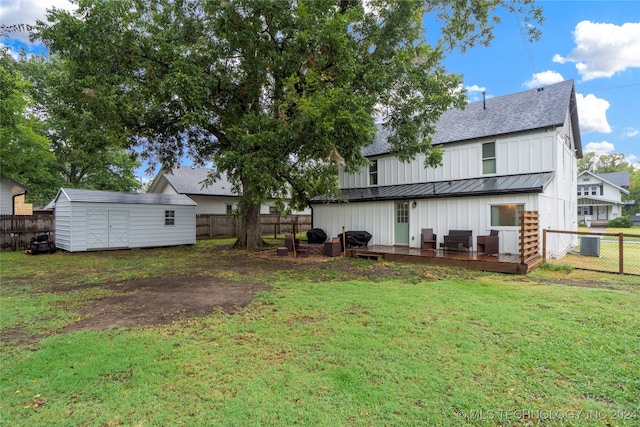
[(96, 196), (534, 109), (485, 186), (189, 180)]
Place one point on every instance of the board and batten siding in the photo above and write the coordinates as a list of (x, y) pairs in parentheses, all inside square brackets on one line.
[(528, 152), (457, 213)]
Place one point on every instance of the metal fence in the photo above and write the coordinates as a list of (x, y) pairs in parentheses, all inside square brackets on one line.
[(605, 252)]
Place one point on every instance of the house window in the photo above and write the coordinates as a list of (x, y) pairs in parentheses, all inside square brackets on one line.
[(489, 158), (169, 217), (229, 209), (402, 213), (579, 190), (594, 190), (274, 210), (506, 215), (373, 173)]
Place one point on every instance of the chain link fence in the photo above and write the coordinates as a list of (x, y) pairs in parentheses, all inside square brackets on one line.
[(605, 252)]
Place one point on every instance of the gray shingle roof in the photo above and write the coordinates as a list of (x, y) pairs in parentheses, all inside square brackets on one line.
[(189, 180), (485, 186), (621, 179), (523, 111), (95, 196)]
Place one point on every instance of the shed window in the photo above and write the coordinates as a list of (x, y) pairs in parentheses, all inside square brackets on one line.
[(373, 173), (489, 158), (229, 209), (169, 217), (506, 215)]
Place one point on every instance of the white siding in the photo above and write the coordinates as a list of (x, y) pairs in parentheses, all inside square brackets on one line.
[(6, 198), (462, 213), (516, 154), (63, 230), (146, 224)]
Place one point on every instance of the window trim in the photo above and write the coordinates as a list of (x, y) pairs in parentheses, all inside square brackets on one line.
[(169, 218), (516, 212), (489, 159), (373, 172)]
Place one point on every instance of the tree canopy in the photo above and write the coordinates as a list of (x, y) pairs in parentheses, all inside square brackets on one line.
[(276, 93)]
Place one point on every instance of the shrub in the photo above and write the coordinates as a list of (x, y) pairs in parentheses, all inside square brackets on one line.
[(621, 222)]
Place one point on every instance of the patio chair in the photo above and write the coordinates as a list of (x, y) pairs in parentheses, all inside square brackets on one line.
[(428, 239), (489, 245)]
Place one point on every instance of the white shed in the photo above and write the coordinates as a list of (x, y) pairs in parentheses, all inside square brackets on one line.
[(88, 220)]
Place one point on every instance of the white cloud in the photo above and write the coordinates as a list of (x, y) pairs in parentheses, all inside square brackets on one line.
[(630, 132), (474, 92), (592, 113), (599, 148), (603, 49), (544, 78), (28, 12)]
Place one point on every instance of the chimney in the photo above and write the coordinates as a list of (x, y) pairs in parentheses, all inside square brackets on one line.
[(484, 100)]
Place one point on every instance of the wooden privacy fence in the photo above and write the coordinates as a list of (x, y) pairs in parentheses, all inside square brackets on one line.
[(16, 231), (210, 225), (529, 236)]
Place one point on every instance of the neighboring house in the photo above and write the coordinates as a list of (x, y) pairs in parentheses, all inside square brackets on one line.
[(11, 194), (215, 198), (89, 220), (600, 196), (516, 152)]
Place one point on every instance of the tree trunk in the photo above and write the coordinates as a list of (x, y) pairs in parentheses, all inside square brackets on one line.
[(248, 233)]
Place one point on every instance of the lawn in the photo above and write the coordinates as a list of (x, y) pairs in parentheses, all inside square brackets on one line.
[(341, 342)]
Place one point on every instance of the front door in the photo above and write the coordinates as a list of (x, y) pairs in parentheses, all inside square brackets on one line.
[(602, 212), (402, 223)]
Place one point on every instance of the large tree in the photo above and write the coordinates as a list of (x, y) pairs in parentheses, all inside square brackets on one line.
[(276, 93)]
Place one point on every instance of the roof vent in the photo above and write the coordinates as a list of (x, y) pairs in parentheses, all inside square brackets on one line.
[(484, 100), (540, 89)]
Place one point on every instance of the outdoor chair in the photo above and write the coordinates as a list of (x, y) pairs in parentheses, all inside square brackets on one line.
[(489, 245), (428, 239)]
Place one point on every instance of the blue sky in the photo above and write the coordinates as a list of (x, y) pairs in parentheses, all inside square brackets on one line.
[(594, 43)]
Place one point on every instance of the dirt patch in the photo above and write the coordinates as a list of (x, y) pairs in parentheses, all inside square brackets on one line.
[(162, 300)]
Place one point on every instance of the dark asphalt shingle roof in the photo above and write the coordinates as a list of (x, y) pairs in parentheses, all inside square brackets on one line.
[(189, 180), (485, 186), (96, 196), (621, 179), (519, 112)]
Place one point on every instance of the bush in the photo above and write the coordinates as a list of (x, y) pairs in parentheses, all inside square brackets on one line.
[(621, 222)]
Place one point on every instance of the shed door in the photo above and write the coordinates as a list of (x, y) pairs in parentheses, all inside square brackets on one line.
[(107, 229), (402, 223)]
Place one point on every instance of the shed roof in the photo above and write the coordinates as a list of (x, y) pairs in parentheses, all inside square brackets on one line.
[(534, 109), (96, 196), (189, 180), (485, 186)]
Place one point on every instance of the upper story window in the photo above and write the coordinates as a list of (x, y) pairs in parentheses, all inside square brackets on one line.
[(373, 173), (489, 158), (169, 217)]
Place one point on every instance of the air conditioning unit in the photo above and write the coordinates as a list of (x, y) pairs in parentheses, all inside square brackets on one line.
[(590, 246)]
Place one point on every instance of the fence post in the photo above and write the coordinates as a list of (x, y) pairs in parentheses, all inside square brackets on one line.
[(544, 245), (621, 252)]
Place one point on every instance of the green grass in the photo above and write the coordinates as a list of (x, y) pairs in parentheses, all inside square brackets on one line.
[(417, 345)]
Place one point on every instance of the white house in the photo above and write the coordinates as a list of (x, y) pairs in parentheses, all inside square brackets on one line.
[(88, 220), (9, 191), (515, 152), (600, 196), (212, 198)]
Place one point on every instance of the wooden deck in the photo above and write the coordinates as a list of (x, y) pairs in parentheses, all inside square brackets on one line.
[(502, 263)]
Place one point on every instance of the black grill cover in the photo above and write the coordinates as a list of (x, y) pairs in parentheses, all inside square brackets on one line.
[(316, 235), (356, 238)]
